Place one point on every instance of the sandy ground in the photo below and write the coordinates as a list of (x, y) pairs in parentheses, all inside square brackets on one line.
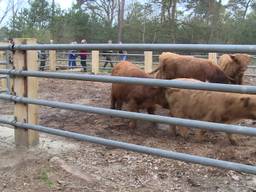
[(60, 164)]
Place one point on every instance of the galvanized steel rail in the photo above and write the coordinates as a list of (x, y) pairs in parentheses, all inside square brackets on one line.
[(132, 80), (132, 115), (3, 62), (138, 148), (144, 47)]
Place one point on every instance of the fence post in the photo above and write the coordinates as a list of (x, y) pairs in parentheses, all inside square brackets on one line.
[(52, 60), (95, 62), (148, 61), (213, 57), (27, 87), (3, 66), (3, 80)]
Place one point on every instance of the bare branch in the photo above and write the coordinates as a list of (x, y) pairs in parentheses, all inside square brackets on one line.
[(7, 10)]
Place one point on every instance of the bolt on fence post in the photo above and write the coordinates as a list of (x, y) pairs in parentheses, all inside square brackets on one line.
[(148, 61), (95, 62), (213, 57), (25, 86)]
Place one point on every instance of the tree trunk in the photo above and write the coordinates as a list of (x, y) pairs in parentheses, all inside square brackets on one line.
[(163, 12), (120, 19), (174, 5)]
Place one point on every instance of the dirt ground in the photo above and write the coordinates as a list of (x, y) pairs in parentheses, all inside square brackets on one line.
[(60, 164)]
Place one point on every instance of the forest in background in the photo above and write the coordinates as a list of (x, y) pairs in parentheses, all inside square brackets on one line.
[(151, 21)]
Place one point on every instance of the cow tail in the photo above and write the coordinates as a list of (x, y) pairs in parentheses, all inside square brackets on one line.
[(161, 62)]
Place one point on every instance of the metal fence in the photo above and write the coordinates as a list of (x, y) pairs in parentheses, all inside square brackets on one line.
[(218, 48), (132, 115), (137, 57)]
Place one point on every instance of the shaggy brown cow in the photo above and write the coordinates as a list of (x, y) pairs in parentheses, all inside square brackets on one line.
[(209, 106), (136, 96), (234, 66), (173, 66)]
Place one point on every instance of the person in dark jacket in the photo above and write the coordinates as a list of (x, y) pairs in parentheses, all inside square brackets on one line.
[(108, 56), (42, 58), (83, 56)]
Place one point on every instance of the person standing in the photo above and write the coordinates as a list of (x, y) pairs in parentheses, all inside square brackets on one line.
[(123, 54), (42, 57), (72, 58), (83, 55), (108, 56)]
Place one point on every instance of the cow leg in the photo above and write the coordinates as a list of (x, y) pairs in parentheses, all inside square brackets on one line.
[(230, 136), (200, 134), (183, 131), (133, 107), (151, 110), (113, 102), (172, 131), (119, 105)]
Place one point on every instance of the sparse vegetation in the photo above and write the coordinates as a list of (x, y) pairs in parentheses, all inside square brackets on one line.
[(44, 177)]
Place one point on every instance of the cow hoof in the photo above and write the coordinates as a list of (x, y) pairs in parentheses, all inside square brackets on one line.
[(173, 132), (183, 132), (233, 142)]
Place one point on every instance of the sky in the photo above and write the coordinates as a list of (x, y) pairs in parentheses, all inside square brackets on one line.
[(64, 4)]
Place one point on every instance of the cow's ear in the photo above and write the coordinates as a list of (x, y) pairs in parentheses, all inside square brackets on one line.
[(246, 101), (234, 58)]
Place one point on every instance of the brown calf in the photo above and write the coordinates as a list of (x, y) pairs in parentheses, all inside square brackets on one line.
[(210, 106)]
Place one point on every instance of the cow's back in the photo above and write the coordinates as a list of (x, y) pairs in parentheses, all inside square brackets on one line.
[(127, 69), (184, 67), (195, 104), (124, 92)]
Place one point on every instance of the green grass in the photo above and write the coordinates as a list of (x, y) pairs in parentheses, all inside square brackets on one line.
[(45, 178)]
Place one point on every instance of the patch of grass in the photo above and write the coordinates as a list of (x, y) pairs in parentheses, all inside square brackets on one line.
[(45, 178)]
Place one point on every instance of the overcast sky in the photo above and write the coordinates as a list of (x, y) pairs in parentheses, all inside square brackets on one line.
[(65, 3)]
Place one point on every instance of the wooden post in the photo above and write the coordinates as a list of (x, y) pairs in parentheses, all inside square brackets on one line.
[(213, 57), (95, 62), (27, 87), (148, 61), (52, 60), (3, 80), (3, 66)]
